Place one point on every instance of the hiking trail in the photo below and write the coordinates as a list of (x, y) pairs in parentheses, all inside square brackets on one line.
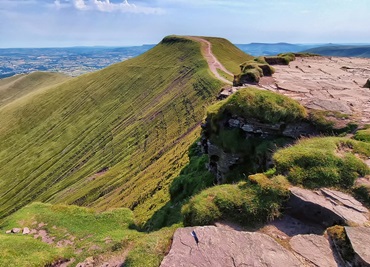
[(211, 59)]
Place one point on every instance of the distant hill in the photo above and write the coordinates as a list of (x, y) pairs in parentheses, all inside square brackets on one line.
[(17, 86), (342, 51), (268, 49)]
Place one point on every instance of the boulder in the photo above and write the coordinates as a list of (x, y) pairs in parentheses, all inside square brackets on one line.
[(326, 207), (360, 242), (16, 230), (26, 231), (314, 248), (8, 231), (219, 247)]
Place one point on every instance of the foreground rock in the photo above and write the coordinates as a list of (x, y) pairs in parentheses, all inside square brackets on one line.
[(220, 247), (314, 248), (327, 207), (360, 242)]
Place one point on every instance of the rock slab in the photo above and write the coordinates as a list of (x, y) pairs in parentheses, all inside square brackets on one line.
[(314, 248), (219, 247), (327, 207), (360, 241)]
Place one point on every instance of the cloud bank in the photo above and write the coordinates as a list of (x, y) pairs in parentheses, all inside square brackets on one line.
[(108, 6)]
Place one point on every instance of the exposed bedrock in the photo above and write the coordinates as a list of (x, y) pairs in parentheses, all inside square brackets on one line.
[(326, 207), (219, 247)]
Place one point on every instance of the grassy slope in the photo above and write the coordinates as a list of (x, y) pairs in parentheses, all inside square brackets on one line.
[(83, 233), (17, 86), (229, 55), (135, 120)]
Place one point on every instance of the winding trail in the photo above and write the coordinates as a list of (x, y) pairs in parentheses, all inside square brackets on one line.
[(212, 61)]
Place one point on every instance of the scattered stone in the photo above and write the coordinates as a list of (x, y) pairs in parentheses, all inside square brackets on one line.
[(89, 262), (41, 224), (219, 247), (314, 248), (326, 207), (26, 231), (8, 231), (360, 241), (44, 237), (16, 230)]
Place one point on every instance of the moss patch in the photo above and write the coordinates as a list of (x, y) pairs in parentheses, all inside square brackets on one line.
[(246, 203), (323, 161), (252, 70), (265, 106)]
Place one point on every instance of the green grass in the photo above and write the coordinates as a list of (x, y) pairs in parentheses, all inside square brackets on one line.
[(363, 135), (225, 75), (88, 232), (26, 251), (193, 178), (265, 106), (247, 203), (331, 122), (17, 86), (113, 138), (229, 55), (323, 161)]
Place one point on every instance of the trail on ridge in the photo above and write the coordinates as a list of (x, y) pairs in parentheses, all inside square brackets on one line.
[(212, 61)]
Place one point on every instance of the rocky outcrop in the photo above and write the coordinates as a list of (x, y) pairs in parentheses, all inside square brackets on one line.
[(221, 162), (314, 248), (359, 238), (275, 61), (219, 247), (292, 130), (327, 207)]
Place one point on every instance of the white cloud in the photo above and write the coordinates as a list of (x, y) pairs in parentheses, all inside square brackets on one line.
[(108, 6), (80, 4)]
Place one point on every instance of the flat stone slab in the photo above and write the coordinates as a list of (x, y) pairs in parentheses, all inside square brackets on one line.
[(314, 248), (326, 83), (360, 241), (219, 247), (327, 207)]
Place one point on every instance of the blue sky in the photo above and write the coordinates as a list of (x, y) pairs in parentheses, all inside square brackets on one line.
[(58, 23)]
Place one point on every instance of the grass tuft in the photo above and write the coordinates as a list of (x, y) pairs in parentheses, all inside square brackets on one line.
[(323, 161)]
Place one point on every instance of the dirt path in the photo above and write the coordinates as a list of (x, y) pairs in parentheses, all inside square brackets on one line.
[(212, 61)]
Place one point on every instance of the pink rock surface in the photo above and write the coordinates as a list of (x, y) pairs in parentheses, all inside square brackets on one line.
[(219, 247), (325, 83)]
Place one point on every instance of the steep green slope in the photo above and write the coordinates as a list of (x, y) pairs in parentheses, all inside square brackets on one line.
[(112, 138), (229, 55), (17, 86)]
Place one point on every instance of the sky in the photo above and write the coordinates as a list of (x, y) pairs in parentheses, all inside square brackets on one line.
[(63, 23)]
